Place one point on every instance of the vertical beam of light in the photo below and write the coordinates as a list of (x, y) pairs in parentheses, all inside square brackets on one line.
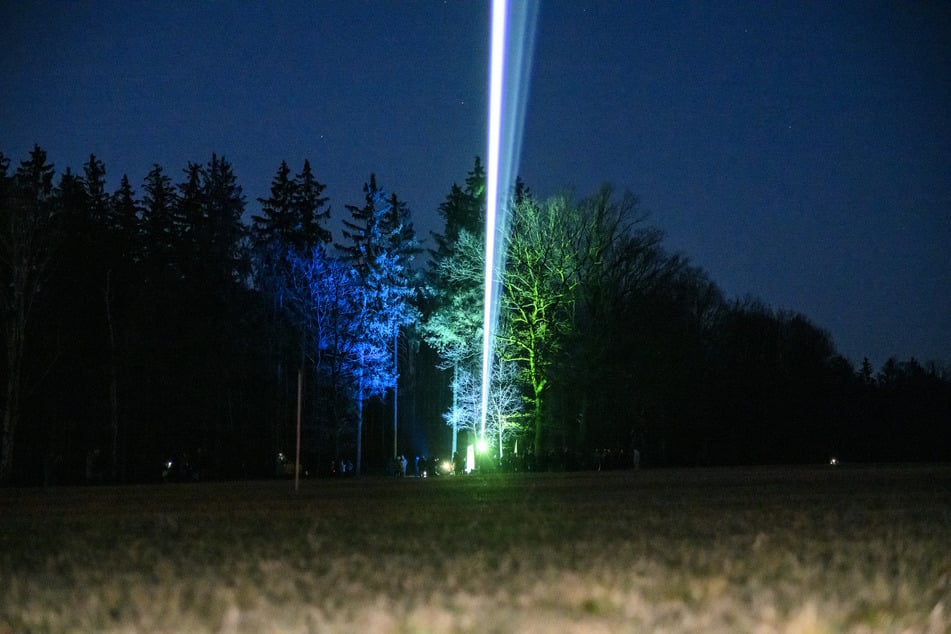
[(496, 72), (510, 53)]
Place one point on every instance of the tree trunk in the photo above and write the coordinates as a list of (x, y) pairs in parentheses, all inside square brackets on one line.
[(396, 386), (455, 424), (359, 461), (537, 415), (11, 413), (16, 326), (113, 386)]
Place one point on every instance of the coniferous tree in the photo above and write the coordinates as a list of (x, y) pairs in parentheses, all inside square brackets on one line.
[(276, 240), (122, 227), (139, 324), (225, 231), (26, 245), (358, 246), (291, 222), (189, 221), (94, 184), (124, 223), (380, 244), (277, 223), (73, 340), (452, 315), (288, 229), (463, 210), (453, 324), (159, 205), (398, 286), (309, 205), (208, 291)]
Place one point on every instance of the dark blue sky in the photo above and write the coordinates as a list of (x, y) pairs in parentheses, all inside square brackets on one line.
[(800, 152)]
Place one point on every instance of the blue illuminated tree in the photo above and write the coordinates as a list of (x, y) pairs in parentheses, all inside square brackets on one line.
[(380, 244), (323, 299), (289, 227)]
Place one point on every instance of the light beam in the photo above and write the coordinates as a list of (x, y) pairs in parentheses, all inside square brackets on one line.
[(496, 74), (506, 112)]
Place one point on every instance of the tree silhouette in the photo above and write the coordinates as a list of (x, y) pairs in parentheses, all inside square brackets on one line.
[(27, 208)]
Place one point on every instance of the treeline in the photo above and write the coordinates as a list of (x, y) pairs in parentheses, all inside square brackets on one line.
[(157, 329), (160, 334), (607, 342)]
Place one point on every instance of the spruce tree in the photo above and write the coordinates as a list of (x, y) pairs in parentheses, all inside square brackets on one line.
[(159, 204), (308, 205), (275, 227), (27, 208), (380, 244)]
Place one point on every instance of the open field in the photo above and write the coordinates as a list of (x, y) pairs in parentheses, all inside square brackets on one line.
[(732, 550)]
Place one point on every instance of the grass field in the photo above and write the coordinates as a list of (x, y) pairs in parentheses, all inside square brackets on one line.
[(733, 550)]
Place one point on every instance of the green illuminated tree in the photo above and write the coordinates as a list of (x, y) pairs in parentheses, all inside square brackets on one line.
[(453, 317), (503, 416), (538, 297), (453, 326)]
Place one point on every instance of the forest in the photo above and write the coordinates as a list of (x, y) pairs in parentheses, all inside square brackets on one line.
[(172, 330)]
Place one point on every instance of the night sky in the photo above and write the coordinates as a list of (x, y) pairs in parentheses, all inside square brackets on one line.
[(799, 152)]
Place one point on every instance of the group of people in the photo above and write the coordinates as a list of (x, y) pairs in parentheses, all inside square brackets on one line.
[(601, 459), (341, 467), (422, 467), (552, 460)]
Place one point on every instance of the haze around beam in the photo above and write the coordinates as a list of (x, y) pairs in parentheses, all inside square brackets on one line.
[(510, 54)]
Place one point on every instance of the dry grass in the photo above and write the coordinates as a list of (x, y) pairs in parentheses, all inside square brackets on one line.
[(753, 550)]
